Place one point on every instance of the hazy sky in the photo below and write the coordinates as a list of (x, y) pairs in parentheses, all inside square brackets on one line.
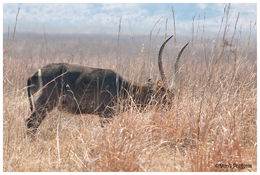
[(136, 18)]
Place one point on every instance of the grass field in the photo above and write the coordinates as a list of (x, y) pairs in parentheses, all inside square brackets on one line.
[(210, 127)]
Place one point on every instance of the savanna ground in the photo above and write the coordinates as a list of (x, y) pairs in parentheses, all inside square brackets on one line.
[(210, 127)]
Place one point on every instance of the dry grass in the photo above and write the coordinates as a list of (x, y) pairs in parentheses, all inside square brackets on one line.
[(211, 126)]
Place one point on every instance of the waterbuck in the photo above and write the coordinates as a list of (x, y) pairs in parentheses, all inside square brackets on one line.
[(80, 89)]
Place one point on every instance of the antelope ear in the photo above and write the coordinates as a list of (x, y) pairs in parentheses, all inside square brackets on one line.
[(150, 82), (159, 84)]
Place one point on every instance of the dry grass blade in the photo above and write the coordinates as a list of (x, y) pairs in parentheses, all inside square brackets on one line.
[(210, 127)]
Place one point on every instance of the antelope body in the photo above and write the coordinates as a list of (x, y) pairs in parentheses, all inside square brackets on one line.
[(80, 89)]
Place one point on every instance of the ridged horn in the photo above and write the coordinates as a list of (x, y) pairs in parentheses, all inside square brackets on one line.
[(176, 65), (160, 62)]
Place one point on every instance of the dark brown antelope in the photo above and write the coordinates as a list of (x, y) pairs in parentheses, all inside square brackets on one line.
[(80, 89)]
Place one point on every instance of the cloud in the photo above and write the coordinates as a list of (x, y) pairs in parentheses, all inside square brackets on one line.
[(202, 6), (121, 7), (140, 18)]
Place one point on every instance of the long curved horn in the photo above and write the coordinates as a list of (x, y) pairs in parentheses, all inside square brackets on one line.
[(176, 65), (160, 62)]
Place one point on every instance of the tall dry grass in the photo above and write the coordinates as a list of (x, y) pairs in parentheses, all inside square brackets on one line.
[(210, 127)]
